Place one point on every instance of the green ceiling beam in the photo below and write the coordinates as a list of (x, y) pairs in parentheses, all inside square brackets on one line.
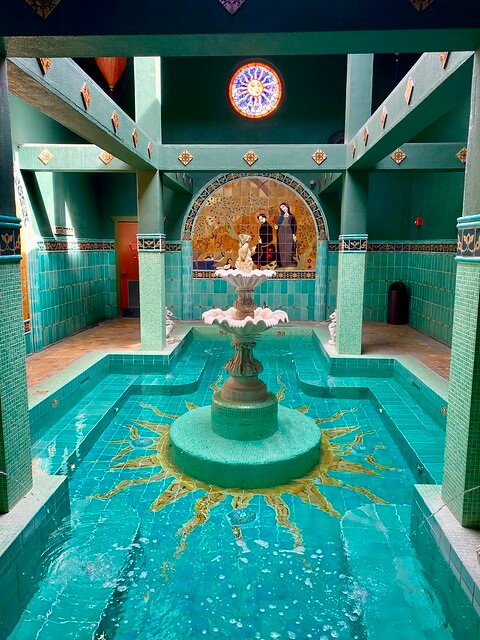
[(57, 94), (271, 157), (437, 156), (179, 181), (436, 91), (82, 158), (329, 183)]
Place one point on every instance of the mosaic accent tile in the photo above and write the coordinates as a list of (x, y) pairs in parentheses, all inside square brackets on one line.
[(384, 116), (45, 156), (86, 96), (10, 246), (45, 64), (232, 6), (354, 148), (185, 157), (365, 136), (421, 5), (443, 57), (398, 156), (106, 157), (135, 137), (115, 121), (462, 155), (250, 157), (319, 156), (150, 149), (43, 7), (409, 91), (151, 242), (353, 243)]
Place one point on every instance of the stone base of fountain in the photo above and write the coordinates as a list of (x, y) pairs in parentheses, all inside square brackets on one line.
[(233, 461)]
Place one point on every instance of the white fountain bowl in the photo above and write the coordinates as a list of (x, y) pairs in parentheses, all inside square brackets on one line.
[(263, 319), (245, 279)]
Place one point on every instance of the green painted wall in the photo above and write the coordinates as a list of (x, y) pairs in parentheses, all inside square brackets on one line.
[(389, 197)]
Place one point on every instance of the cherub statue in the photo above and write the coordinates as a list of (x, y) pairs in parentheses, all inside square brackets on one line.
[(332, 327), (169, 324), (244, 261)]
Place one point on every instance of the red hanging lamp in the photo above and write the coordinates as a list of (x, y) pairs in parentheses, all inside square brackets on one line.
[(112, 69)]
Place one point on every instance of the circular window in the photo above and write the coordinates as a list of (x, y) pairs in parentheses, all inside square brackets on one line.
[(255, 90)]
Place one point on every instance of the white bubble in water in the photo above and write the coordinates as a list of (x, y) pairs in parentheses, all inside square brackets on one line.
[(291, 635)]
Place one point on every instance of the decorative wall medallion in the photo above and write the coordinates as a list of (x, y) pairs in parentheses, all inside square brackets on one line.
[(231, 5), (409, 91), (443, 57), (45, 156), (185, 157), (106, 157), (45, 64), (115, 121), (250, 157), (150, 149), (319, 156), (86, 97), (354, 148), (43, 7), (384, 116), (421, 5), (398, 156), (255, 90), (462, 155), (365, 136), (135, 137), (151, 242)]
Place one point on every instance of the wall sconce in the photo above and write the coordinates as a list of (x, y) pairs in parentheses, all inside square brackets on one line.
[(312, 184), (418, 221)]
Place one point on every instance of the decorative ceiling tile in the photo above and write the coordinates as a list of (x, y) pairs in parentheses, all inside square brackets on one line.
[(135, 137), (409, 91), (319, 156), (384, 116), (43, 7), (86, 97), (421, 5), (443, 57), (45, 64), (150, 149), (45, 156), (354, 148), (232, 6), (365, 136), (106, 157), (250, 157), (185, 157), (115, 121), (398, 156), (462, 155)]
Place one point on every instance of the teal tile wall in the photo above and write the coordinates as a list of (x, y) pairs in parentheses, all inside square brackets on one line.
[(430, 279), (173, 282), (75, 290)]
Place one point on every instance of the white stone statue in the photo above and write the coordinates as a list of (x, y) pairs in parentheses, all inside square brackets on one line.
[(332, 327), (244, 261), (169, 325)]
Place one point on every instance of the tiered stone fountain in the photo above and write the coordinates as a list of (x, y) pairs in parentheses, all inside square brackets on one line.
[(245, 439)]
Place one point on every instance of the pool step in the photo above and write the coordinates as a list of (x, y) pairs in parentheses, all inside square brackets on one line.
[(389, 576), (82, 578)]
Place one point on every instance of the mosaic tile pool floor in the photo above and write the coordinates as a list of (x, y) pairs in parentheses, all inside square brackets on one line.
[(150, 553)]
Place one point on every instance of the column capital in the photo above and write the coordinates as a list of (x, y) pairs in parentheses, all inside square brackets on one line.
[(353, 242), (468, 240), (151, 242), (10, 249)]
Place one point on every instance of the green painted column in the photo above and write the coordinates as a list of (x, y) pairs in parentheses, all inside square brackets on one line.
[(15, 446), (462, 448), (150, 239), (353, 238)]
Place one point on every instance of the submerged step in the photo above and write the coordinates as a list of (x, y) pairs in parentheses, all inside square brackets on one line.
[(389, 575), (82, 577)]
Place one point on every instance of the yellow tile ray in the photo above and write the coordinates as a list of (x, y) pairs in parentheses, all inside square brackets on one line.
[(125, 484), (178, 489), (123, 452), (352, 467), (311, 495), (281, 391), (133, 431), (241, 501), (160, 428), (382, 467), (143, 462), (282, 516), (335, 416), (304, 409), (202, 510), (191, 406), (334, 482), (214, 386), (332, 434), (160, 413)]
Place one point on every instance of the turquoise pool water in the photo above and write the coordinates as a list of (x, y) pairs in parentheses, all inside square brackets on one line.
[(149, 553)]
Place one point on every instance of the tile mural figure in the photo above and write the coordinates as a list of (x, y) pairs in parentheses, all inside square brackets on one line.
[(266, 250), (286, 226)]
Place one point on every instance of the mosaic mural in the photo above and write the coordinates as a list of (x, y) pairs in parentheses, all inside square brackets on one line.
[(279, 221)]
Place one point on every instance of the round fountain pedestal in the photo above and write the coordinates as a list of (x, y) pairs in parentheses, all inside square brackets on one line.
[(288, 453)]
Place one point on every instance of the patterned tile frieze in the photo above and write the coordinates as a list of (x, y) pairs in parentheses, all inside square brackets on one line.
[(357, 242), (171, 247), (279, 177), (151, 242), (280, 275), (10, 248), (52, 245), (468, 241), (392, 247)]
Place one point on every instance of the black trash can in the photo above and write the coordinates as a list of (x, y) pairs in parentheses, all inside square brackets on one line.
[(397, 312)]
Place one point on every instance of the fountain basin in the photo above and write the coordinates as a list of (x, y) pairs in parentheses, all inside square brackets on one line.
[(251, 325), (289, 453)]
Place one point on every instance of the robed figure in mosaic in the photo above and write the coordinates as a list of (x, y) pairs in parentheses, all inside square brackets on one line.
[(286, 227), (266, 250)]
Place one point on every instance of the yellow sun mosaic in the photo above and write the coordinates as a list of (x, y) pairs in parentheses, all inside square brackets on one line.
[(334, 455)]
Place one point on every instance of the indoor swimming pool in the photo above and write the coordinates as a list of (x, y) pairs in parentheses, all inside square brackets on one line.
[(148, 552)]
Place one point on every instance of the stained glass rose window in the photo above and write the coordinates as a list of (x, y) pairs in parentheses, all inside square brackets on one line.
[(255, 90)]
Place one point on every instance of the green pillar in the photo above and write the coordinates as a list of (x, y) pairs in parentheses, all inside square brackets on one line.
[(462, 447), (150, 239), (15, 447), (353, 238)]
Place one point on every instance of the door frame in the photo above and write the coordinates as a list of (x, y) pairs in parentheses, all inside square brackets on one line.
[(116, 221)]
